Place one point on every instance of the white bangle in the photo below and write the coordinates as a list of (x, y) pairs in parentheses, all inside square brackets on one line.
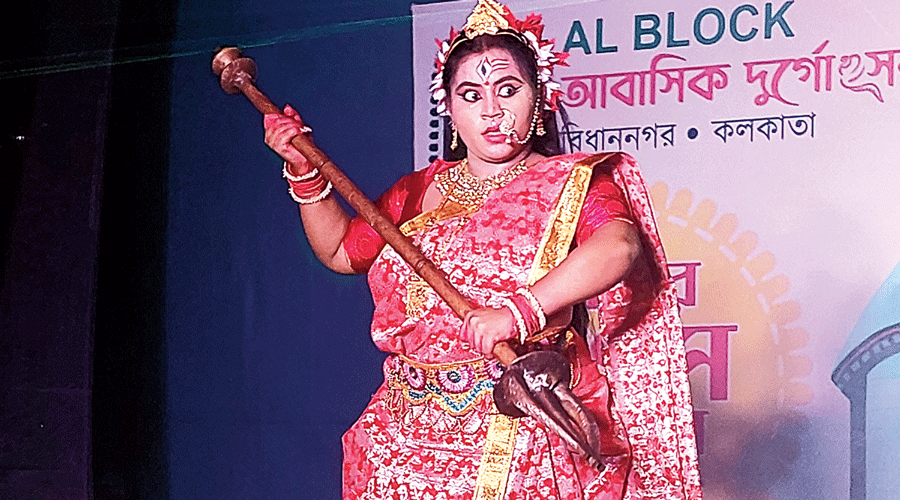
[(298, 178), (535, 305), (520, 320), (315, 199)]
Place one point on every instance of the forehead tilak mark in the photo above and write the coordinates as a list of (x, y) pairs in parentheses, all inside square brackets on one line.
[(488, 66)]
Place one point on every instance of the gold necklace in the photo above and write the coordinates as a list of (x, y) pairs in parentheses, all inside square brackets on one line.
[(457, 184)]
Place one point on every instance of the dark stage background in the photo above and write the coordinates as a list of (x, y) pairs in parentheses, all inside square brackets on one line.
[(166, 331), (269, 356)]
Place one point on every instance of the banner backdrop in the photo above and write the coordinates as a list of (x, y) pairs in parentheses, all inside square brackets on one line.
[(769, 134)]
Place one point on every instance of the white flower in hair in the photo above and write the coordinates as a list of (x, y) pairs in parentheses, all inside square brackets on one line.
[(490, 17)]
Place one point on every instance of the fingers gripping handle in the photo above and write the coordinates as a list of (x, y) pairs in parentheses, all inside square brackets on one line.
[(237, 75)]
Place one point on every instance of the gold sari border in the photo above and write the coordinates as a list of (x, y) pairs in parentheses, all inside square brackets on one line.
[(496, 458), (425, 219), (557, 238), (493, 473)]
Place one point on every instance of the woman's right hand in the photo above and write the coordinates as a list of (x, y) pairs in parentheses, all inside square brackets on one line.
[(280, 129), (484, 328)]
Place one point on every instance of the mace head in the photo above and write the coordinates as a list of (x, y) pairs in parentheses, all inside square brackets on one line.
[(231, 68)]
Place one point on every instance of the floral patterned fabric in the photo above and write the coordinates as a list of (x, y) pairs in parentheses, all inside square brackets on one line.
[(645, 359), (424, 432)]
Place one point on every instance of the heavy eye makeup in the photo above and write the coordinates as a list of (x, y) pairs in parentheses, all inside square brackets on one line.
[(508, 90), (469, 95), (505, 90)]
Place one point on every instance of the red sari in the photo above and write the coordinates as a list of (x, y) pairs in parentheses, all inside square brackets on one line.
[(431, 430)]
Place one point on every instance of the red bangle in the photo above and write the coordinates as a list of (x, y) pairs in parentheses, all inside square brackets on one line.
[(535, 306), (285, 172), (312, 197), (308, 187), (529, 316), (520, 327), (312, 189)]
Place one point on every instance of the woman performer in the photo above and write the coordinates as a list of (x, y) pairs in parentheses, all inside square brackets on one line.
[(526, 234)]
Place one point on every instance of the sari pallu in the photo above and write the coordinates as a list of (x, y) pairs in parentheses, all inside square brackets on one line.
[(641, 344), (445, 444)]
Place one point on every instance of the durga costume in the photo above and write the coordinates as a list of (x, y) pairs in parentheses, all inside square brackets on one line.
[(432, 431)]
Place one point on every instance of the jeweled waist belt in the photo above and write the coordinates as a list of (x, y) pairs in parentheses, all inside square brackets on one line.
[(455, 387)]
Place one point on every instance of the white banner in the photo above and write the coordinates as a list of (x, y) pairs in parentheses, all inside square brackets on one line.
[(770, 134)]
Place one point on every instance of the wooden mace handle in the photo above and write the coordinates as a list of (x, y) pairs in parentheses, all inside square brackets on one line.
[(237, 74)]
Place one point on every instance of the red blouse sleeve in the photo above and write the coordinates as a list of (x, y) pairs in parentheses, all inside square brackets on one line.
[(400, 203), (604, 202)]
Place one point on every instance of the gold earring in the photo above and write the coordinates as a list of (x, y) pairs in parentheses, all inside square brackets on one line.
[(454, 137), (540, 126), (537, 120)]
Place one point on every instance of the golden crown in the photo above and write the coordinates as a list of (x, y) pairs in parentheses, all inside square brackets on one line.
[(488, 17)]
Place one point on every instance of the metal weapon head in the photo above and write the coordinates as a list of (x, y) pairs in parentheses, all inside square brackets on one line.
[(537, 385), (232, 68)]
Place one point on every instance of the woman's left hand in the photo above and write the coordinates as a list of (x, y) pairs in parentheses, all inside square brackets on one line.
[(483, 328)]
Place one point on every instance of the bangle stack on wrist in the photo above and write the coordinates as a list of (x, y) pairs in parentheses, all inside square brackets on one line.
[(308, 188), (521, 325), (535, 306), (528, 313)]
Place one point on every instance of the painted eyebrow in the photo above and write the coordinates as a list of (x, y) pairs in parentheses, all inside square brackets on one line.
[(509, 78), (467, 84), (505, 79)]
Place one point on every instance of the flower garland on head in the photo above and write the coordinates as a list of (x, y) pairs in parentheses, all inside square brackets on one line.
[(492, 18)]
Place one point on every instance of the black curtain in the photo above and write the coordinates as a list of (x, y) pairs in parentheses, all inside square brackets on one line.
[(129, 457), (83, 207)]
